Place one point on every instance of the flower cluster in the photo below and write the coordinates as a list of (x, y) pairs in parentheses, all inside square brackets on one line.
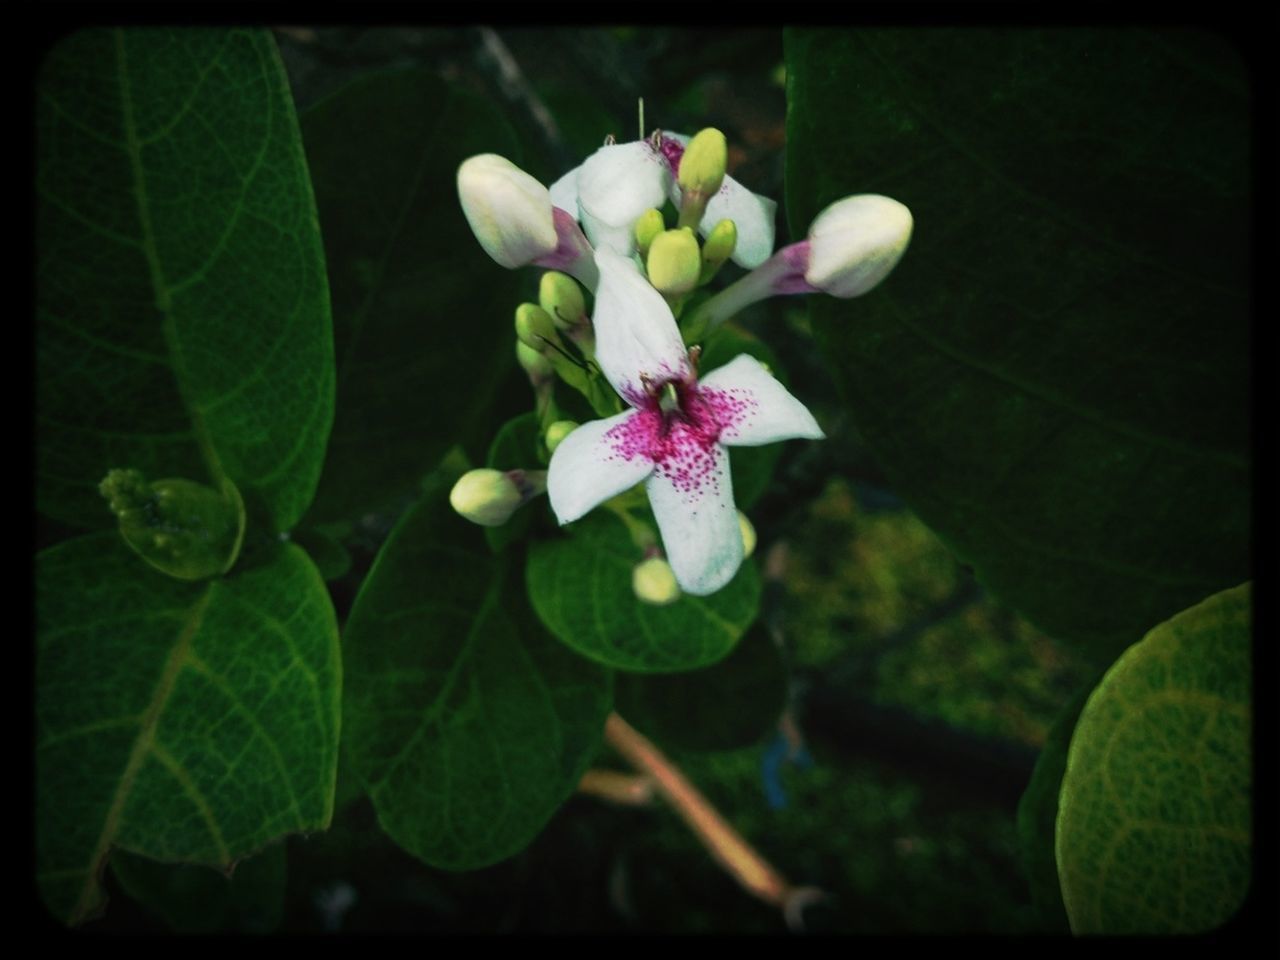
[(601, 223)]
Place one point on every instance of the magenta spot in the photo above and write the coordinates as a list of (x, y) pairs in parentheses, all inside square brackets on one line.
[(672, 151)]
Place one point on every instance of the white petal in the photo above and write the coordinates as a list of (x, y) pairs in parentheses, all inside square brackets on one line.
[(615, 186), (564, 192), (751, 213), (636, 335), (752, 407), (597, 461), (692, 498)]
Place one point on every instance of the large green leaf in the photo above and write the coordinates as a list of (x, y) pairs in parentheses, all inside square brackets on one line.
[(183, 314), (185, 722), (1154, 831), (1056, 375), (468, 724), (422, 317), (580, 586)]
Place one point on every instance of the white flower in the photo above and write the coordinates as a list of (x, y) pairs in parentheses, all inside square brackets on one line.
[(675, 436), (621, 181), (855, 242)]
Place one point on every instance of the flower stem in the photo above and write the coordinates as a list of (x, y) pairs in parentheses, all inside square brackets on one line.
[(627, 789)]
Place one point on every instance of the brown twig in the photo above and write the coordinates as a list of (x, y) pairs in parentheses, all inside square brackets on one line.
[(627, 789)]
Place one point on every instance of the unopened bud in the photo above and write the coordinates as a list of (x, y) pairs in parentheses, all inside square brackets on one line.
[(703, 164), (674, 262), (654, 582), (535, 328), (560, 295), (855, 242), (534, 364), (489, 497), (509, 211), (748, 534), (717, 248), (647, 227), (557, 432)]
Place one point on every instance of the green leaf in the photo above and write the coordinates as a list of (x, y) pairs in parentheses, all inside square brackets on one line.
[(517, 446), (1154, 817), (183, 315), (185, 722), (752, 467), (193, 899), (422, 317), (1056, 375), (325, 549), (1038, 814), (732, 704), (580, 587), (468, 725)]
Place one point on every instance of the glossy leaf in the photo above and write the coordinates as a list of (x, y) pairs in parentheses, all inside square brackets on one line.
[(182, 309), (467, 723), (192, 899), (422, 317), (580, 586), (728, 705), (185, 722), (1055, 377), (1154, 818)]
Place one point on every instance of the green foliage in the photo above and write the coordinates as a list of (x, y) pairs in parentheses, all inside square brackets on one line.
[(193, 899), (183, 317), (517, 446), (580, 586), (467, 723), (1056, 375), (181, 721), (731, 704), (422, 318), (1154, 818)]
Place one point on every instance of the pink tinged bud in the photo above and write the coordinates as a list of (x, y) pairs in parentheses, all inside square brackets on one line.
[(509, 211), (855, 243)]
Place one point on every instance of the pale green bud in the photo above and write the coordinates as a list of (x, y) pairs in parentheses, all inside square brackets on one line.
[(647, 227), (535, 328), (560, 295), (654, 582), (674, 262), (717, 248), (557, 432), (534, 364), (489, 497), (748, 534), (703, 164)]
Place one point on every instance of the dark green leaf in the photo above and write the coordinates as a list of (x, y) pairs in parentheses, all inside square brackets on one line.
[(422, 317), (185, 722), (1056, 375), (183, 316), (517, 446), (580, 586), (331, 558), (468, 724), (732, 704), (1154, 818), (193, 899)]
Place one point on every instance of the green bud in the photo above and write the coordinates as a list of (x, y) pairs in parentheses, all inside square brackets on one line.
[(701, 174), (182, 528), (534, 364), (560, 295), (647, 227), (748, 534), (557, 432), (654, 582), (717, 248), (534, 328), (489, 497), (674, 262)]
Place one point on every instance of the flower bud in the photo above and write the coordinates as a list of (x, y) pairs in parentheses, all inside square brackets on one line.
[(509, 211), (748, 534), (535, 328), (674, 262), (855, 242), (717, 248), (702, 166), (647, 227), (561, 297), (534, 364), (557, 432), (654, 582), (489, 497)]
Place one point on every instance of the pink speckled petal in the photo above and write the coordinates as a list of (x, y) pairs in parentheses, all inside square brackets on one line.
[(616, 185), (753, 408), (692, 500), (564, 192), (593, 464), (636, 335)]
